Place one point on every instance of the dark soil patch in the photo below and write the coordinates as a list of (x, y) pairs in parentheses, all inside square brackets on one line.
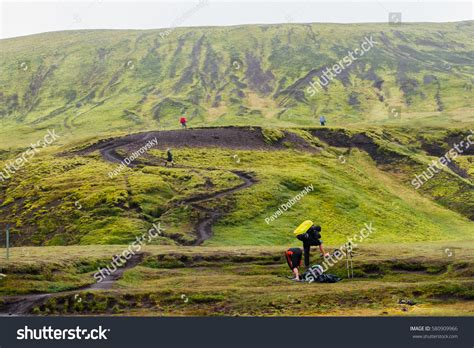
[(340, 138), (176, 260), (242, 138), (442, 146)]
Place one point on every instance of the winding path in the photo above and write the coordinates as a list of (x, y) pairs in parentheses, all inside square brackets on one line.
[(22, 305), (203, 227)]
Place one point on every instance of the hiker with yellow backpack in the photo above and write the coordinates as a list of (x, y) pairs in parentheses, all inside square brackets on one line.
[(310, 235)]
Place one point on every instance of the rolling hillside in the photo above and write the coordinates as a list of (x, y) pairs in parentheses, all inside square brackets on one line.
[(252, 146), (228, 180), (102, 81)]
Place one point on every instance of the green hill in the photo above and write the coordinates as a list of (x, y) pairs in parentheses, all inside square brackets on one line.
[(228, 181), (104, 81)]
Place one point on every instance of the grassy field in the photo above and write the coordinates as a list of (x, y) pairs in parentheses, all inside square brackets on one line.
[(248, 281)]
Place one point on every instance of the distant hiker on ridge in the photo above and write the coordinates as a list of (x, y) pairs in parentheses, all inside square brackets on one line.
[(183, 121), (169, 158), (322, 120)]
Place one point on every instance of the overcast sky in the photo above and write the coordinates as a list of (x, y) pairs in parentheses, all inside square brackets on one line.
[(24, 18)]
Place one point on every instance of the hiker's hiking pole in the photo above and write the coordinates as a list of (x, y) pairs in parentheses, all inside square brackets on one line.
[(349, 265), (352, 266)]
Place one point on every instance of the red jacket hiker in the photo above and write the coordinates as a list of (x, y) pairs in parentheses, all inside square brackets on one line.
[(183, 121)]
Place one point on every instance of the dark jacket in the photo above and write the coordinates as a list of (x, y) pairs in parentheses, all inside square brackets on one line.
[(312, 237)]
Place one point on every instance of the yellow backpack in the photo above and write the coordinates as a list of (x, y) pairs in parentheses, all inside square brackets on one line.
[(305, 225)]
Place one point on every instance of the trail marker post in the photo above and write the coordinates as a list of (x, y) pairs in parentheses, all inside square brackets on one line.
[(8, 241)]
